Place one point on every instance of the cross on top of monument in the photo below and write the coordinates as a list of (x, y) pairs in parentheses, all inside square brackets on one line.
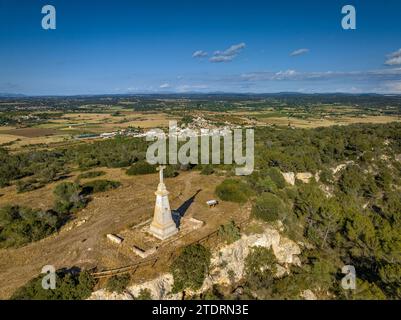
[(160, 169)]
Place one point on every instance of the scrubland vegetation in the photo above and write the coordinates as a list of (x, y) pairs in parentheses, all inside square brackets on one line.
[(71, 285), (350, 216)]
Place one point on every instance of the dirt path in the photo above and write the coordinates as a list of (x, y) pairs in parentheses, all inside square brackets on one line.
[(82, 242)]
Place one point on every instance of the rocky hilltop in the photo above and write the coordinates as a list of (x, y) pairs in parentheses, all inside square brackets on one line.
[(227, 266)]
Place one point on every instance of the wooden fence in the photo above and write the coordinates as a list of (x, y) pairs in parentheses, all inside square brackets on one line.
[(132, 268)]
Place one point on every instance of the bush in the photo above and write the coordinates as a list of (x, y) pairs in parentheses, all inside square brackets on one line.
[(189, 269), (20, 225), (308, 200), (266, 185), (141, 167), (233, 190), (229, 232), (99, 186), (144, 294), (67, 191), (326, 176), (69, 286), (365, 291), (118, 283), (68, 197), (28, 185), (51, 172), (351, 180), (277, 177), (260, 263), (170, 172), (207, 170), (268, 207), (91, 174)]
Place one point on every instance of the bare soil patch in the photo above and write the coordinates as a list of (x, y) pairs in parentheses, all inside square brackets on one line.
[(31, 132), (82, 242)]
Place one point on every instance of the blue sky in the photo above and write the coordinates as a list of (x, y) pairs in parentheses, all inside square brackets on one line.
[(204, 46)]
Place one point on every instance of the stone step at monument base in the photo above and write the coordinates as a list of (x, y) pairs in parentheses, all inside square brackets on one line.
[(163, 232)]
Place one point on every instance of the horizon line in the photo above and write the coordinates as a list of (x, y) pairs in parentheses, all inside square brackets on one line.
[(22, 95)]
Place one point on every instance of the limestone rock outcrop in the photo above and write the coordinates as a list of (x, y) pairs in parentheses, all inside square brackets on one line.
[(289, 177), (227, 266)]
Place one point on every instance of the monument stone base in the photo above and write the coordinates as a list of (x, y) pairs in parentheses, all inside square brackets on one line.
[(163, 232)]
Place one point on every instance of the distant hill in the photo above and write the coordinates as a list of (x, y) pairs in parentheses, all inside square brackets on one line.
[(11, 95)]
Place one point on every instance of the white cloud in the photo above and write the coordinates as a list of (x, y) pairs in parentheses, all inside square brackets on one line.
[(228, 54), (164, 86), (199, 54), (298, 52), (221, 58), (394, 58), (282, 75), (379, 75), (232, 50), (392, 87), (193, 87)]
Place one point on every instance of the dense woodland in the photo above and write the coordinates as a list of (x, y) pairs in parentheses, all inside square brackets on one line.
[(352, 217)]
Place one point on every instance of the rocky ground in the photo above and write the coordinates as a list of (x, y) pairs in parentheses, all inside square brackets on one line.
[(227, 266)]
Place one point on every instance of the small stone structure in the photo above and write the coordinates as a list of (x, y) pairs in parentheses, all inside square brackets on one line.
[(114, 238), (143, 253)]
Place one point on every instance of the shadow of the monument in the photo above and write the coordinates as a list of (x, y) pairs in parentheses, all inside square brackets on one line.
[(180, 212)]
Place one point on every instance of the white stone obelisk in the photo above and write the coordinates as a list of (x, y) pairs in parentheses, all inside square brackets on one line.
[(162, 226)]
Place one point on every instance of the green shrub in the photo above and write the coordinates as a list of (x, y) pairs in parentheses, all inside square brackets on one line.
[(51, 172), (207, 170), (67, 191), (351, 180), (266, 185), (99, 186), (189, 269), (268, 207), (20, 225), (260, 263), (229, 232), (291, 193), (68, 197), (144, 294), (365, 290), (28, 185), (91, 174), (118, 283), (326, 176), (233, 190), (277, 177), (69, 286), (141, 167), (309, 200), (170, 172)]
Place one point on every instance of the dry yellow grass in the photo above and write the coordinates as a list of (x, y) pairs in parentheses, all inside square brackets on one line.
[(102, 122), (5, 128), (85, 245), (24, 142), (73, 123), (325, 122), (6, 138), (21, 142)]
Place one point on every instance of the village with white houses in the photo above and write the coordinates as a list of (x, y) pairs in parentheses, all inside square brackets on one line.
[(198, 127)]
